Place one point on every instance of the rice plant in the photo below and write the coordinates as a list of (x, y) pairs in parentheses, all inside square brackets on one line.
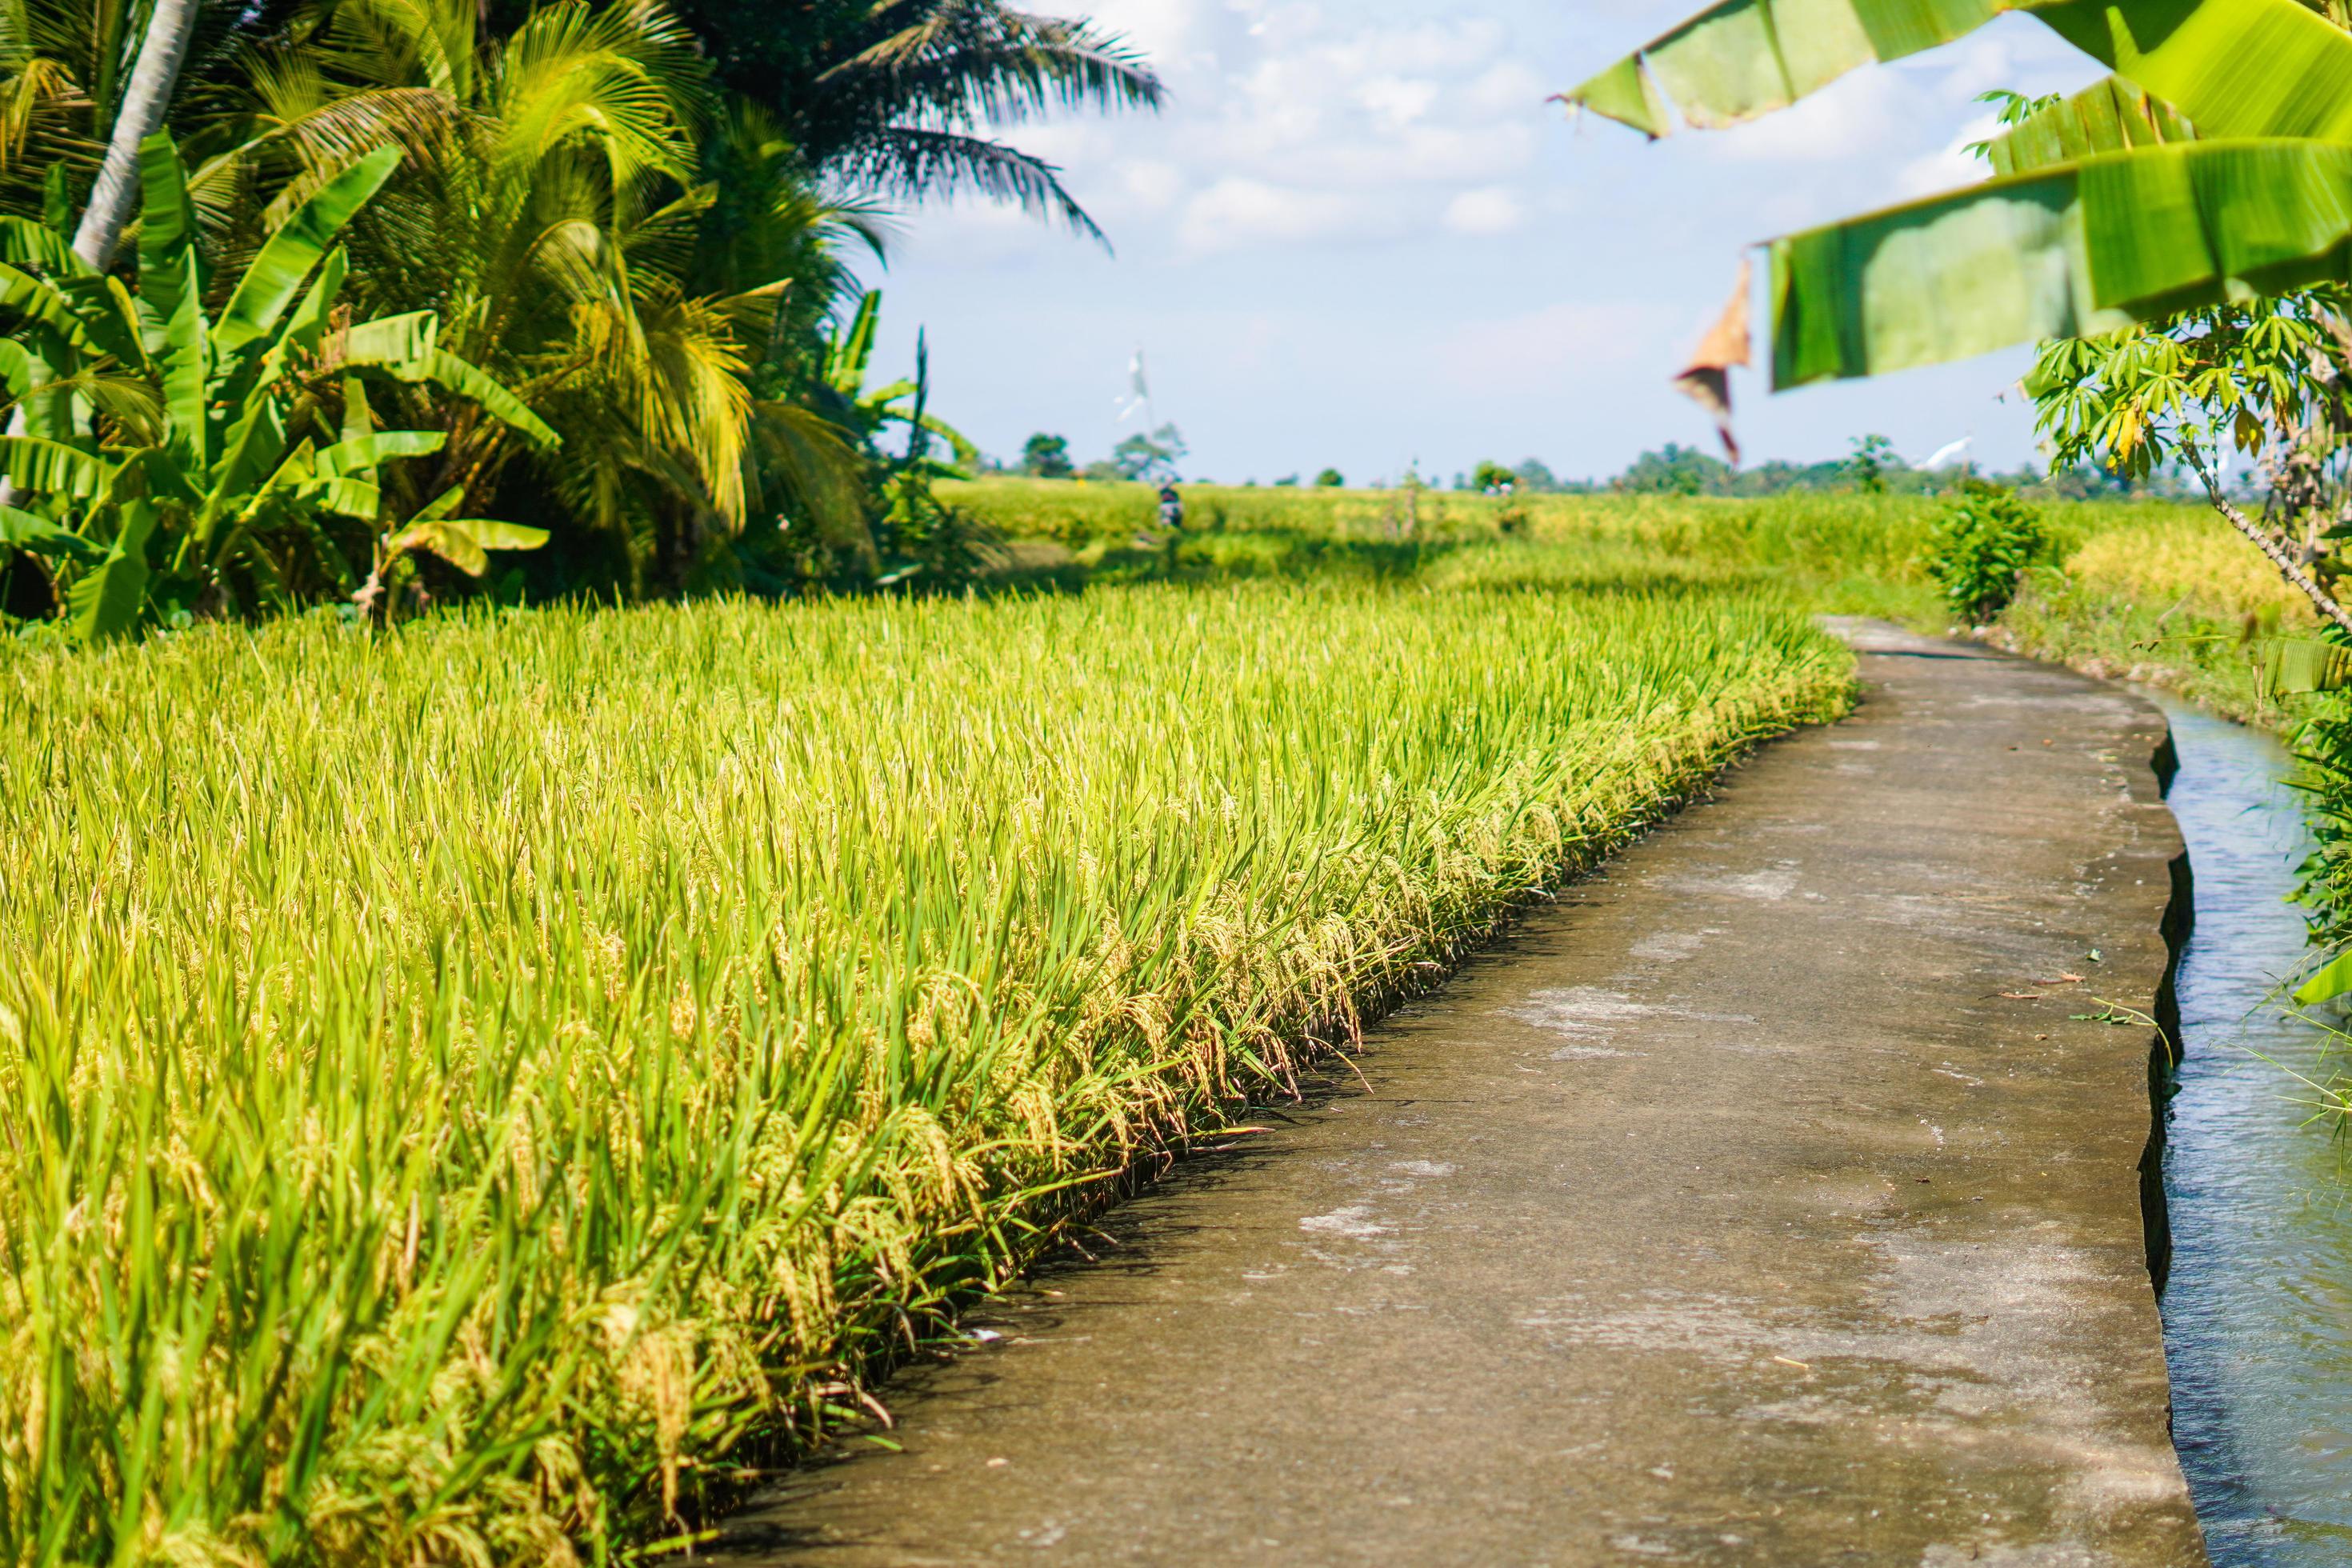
[(468, 1093)]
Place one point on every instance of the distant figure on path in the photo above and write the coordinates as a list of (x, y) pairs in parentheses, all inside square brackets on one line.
[(1172, 507)]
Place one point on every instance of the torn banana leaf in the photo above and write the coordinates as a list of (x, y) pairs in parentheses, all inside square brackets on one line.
[(2067, 251), (2292, 665), (2111, 115), (2234, 68)]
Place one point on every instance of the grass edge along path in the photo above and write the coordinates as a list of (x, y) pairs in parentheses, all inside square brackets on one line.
[(465, 1097)]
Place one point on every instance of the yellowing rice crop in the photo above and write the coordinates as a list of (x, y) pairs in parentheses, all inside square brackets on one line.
[(456, 1091), (2189, 559)]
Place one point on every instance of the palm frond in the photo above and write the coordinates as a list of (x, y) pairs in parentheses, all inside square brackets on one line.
[(913, 162), (969, 62)]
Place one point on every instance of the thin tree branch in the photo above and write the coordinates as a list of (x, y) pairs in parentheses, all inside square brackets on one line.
[(2277, 555)]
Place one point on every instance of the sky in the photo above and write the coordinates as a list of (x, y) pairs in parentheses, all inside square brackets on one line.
[(1360, 237)]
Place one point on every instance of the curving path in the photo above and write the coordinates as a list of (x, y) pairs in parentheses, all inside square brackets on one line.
[(1766, 1202)]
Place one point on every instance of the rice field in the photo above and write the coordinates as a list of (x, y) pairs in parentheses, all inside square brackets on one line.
[(479, 1093), (2170, 597), (1848, 553)]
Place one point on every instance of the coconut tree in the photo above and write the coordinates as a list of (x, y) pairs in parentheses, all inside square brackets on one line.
[(911, 98), (636, 254), (146, 97)]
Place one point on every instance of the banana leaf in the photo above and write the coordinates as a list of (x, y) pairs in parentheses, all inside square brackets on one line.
[(2235, 68), (2295, 665), (358, 453), (309, 322), (845, 364), (30, 531), (457, 375), (298, 245), (169, 276), (51, 468), (2333, 980), (107, 601), (2067, 251), (251, 452), (2110, 115), (350, 498), (392, 341), (23, 242), (181, 346), (21, 370), (465, 542), (408, 348), (25, 297)]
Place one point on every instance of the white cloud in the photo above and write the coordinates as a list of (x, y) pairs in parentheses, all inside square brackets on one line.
[(1486, 212), (1554, 349), (1951, 166), (1240, 212), (1506, 91), (1397, 101), (1292, 122), (1153, 184)]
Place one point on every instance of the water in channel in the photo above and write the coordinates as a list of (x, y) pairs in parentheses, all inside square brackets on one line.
[(2258, 1310)]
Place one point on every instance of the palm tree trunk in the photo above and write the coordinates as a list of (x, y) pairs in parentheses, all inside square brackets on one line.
[(144, 102)]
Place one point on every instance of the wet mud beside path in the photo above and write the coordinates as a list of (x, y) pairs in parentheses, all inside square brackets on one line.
[(1774, 1198)]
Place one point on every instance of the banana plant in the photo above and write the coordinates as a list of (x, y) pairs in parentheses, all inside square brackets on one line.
[(2186, 179), (167, 444), (849, 355)]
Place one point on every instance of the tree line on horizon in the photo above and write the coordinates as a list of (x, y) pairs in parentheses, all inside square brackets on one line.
[(1674, 469)]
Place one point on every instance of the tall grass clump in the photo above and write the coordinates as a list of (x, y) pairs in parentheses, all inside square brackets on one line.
[(466, 1093)]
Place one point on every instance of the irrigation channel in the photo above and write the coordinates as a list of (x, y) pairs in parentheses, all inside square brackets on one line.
[(2258, 1307)]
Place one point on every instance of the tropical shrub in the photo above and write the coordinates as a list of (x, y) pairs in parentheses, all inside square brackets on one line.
[(176, 461), (1045, 456), (1867, 465), (1978, 547)]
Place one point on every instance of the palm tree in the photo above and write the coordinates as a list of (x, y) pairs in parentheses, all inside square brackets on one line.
[(598, 228), (146, 99), (904, 98)]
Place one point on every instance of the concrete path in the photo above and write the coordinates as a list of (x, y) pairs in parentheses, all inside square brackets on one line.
[(1764, 1203)]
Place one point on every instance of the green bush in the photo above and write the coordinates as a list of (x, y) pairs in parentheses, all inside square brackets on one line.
[(1978, 544)]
